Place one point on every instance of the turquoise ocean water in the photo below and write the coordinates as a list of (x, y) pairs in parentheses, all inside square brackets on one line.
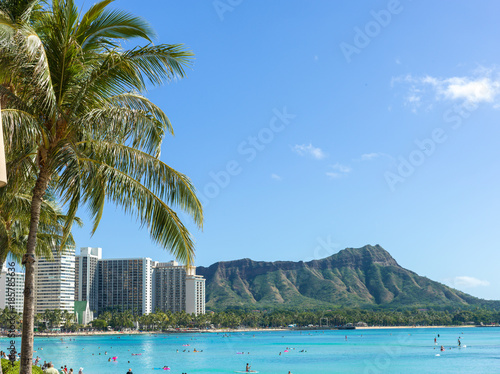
[(364, 351)]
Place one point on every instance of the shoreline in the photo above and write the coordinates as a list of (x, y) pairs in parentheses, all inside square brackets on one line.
[(229, 331)]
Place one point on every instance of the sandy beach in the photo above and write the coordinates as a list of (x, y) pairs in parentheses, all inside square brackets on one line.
[(227, 331)]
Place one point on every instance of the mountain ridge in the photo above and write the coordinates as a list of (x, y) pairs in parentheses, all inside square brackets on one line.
[(354, 277)]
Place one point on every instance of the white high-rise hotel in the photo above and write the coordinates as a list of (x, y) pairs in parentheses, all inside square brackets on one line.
[(86, 275), (15, 287), (55, 282)]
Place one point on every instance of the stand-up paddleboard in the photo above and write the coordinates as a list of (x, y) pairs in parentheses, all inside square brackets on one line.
[(243, 371)]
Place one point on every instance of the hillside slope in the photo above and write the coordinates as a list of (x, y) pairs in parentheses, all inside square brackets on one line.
[(353, 277)]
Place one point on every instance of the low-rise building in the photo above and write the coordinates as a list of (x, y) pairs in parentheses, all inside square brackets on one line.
[(83, 313)]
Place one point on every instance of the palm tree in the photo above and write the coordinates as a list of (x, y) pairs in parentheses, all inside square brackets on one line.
[(106, 316), (57, 317), (47, 317), (162, 320), (15, 204), (68, 319), (78, 99)]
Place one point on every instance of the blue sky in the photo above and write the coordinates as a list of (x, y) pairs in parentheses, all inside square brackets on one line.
[(311, 126)]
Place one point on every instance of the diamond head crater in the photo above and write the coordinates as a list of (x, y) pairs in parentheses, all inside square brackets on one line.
[(366, 277)]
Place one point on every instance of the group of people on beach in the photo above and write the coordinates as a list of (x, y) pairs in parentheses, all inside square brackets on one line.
[(13, 356), (48, 368)]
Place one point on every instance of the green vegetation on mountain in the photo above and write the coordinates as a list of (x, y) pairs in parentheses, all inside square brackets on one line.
[(367, 277)]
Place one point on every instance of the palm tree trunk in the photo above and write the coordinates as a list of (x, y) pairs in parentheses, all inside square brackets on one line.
[(1, 266), (29, 283), (3, 168)]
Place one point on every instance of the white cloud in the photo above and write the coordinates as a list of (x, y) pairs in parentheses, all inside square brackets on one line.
[(304, 150), (481, 87), (472, 91), (468, 282), (339, 171), (276, 177), (368, 157)]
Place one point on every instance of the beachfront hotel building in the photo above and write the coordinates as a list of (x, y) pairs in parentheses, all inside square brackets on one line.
[(195, 293), (169, 287), (125, 284), (177, 288), (55, 282), (15, 286), (139, 285), (86, 276)]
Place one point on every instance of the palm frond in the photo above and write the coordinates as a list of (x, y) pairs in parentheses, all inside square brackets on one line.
[(118, 72), (124, 125), (165, 182), (99, 27), (18, 137), (136, 199)]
